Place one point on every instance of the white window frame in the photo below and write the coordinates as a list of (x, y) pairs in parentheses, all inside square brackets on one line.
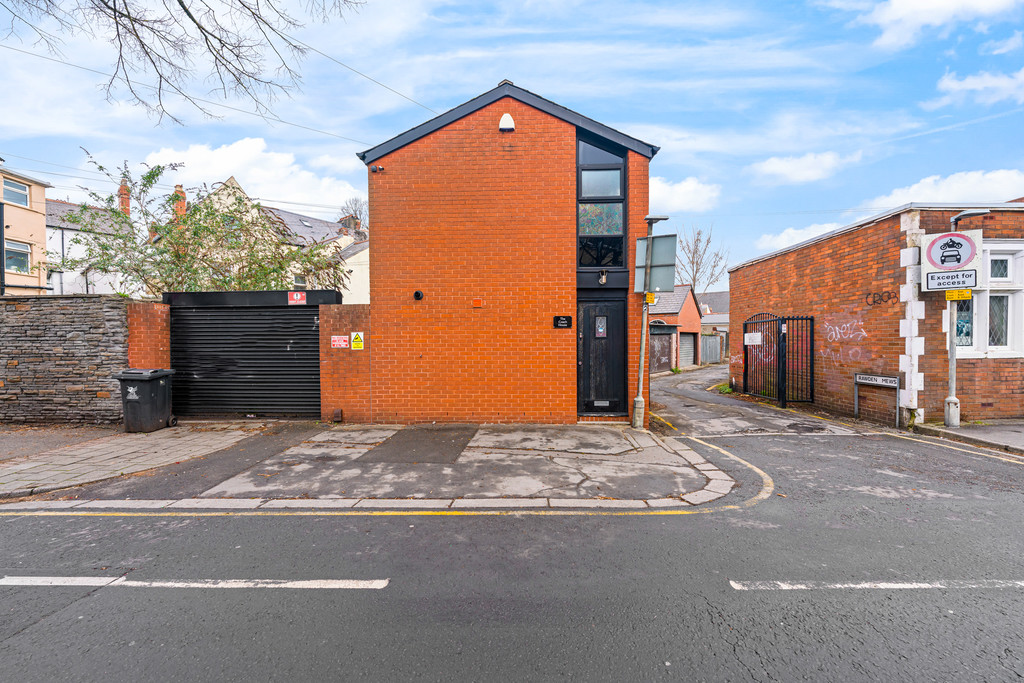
[(1012, 287), (16, 187), (21, 248)]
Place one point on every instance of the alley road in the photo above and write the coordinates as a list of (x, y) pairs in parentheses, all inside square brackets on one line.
[(848, 552)]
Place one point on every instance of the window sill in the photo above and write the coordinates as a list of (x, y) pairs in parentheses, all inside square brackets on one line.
[(981, 355)]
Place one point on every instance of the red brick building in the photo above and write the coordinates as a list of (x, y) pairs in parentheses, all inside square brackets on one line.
[(862, 285), (501, 285), (675, 329)]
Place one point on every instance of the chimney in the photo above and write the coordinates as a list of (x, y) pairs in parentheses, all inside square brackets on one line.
[(124, 198), (180, 203)]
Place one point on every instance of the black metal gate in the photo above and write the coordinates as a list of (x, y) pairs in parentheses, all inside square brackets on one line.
[(235, 354), (778, 357)]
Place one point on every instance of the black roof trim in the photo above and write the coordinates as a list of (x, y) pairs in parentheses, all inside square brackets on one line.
[(507, 89)]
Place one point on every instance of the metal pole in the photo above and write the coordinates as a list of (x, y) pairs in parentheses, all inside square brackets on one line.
[(952, 416), (952, 407), (638, 402)]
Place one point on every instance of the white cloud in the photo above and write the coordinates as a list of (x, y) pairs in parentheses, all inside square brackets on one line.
[(968, 186), (790, 236), (686, 195), (982, 87), (804, 169), (902, 21), (1002, 47), (275, 178)]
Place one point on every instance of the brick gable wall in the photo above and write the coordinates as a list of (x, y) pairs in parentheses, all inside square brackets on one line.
[(484, 224)]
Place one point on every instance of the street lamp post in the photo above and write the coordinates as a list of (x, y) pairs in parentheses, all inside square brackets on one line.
[(638, 402), (951, 417)]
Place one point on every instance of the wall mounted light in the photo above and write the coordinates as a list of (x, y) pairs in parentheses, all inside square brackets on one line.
[(506, 124), (376, 169)]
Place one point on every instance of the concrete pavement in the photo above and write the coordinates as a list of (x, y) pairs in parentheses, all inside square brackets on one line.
[(112, 456), (423, 466), (1007, 435)]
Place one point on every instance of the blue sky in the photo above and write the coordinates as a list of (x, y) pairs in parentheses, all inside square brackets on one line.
[(776, 121)]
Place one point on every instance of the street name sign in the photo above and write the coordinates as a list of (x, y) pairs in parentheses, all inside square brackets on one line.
[(877, 380)]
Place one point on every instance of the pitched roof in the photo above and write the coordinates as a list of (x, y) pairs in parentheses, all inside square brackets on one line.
[(507, 89), (670, 303), (717, 301), (353, 249), (57, 212), (715, 319), (306, 228)]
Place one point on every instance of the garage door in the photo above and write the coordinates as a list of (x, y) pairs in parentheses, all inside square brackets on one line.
[(686, 350), (661, 352), (245, 359)]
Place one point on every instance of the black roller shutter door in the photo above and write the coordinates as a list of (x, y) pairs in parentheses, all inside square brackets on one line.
[(246, 359)]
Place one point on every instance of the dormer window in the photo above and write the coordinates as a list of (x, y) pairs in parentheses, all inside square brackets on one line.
[(15, 193), (601, 195)]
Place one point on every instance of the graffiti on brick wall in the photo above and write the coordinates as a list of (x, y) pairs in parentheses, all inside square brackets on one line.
[(881, 298), (842, 343), (849, 331)]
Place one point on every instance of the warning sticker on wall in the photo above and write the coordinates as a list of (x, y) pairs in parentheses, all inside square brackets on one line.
[(296, 298), (339, 341), (357, 341)]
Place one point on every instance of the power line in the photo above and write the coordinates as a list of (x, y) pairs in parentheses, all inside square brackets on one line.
[(265, 117), (360, 73)]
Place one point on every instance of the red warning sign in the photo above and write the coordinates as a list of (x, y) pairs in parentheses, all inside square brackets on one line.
[(296, 298), (339, 341)]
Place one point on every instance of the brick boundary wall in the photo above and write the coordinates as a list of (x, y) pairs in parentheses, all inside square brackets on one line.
[(57, 358), (835, 281), (345, 383), (149, 335)]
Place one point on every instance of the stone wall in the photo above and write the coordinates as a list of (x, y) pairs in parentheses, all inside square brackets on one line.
[(58, 355)]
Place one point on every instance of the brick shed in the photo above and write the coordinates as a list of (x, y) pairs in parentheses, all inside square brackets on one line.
[(501, 287), (862, 284)]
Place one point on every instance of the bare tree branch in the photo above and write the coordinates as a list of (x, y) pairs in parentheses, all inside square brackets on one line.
[(242, 46), (698, 263)]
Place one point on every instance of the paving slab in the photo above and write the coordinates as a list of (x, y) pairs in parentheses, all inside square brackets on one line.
[(598, 440)]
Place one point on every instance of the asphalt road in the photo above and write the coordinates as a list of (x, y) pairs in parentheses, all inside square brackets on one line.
[(900, 557)]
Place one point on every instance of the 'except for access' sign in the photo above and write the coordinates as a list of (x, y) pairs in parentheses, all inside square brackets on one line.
[(960, 279), (950, 260), (958, 295)]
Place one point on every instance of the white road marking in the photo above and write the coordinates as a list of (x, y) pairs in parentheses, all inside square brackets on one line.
[(871, 585), (196, 583)]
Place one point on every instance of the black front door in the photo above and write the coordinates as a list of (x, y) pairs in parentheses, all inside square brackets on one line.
[(601, 356)]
